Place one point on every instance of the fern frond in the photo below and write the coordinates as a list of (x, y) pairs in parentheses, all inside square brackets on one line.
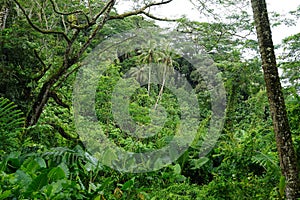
[(11, 119), (11, 123), (266, 161), (64, 155)]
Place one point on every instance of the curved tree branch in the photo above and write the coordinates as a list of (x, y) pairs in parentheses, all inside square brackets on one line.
[(139, 11), (108, 6), (55, 9), (35, 27), (105, 12), (157, 18), (58, 100), (66, 135), (45, 67)]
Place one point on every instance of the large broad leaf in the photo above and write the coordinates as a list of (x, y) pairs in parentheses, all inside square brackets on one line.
[(109, 156), (12, 160), (55, 174), (31, 165), (23, 178), (39, 182)]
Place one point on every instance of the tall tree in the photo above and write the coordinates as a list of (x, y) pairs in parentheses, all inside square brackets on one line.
[(76, 26), (150, 54), (287, 156), (168, 67)]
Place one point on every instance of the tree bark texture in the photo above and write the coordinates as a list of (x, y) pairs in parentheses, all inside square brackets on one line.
[(287, 156)]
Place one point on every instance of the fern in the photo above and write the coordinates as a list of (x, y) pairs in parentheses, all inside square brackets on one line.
[(266, 161), (11, 119), (63, 154), (11, 124), (69, 156)]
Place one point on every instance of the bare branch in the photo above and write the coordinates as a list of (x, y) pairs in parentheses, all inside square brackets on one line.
[(55, 97), (240, 36), (66, 76), (55, 9), (157, 18), (64, 23), (95, 18), (139, 11), (45, 67), (106, 12), (38, 28), (108, 4), (68, 62), (63, 133), (90, 9), (62, 13), (157, 3)]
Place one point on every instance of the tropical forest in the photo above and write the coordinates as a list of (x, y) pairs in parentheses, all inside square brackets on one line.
[(120, 99)]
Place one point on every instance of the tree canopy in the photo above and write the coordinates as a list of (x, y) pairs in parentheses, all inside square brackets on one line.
[(176, 88)]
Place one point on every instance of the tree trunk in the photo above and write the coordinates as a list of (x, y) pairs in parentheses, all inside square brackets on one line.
[(161, 88), (3, 16), (149, 80), (287, 156), (45, 92), (38, 106)]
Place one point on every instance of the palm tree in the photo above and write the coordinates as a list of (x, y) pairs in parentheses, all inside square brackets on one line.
[(139, 72), (150, 54), (168, 68)]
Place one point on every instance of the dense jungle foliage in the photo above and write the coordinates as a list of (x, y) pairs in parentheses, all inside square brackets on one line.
[(43, 44)]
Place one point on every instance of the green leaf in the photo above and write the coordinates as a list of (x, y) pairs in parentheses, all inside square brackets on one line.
[(158, 163), (23, 179), (5, 194), (11, 123), (97, 197), (53, 188), (41, 162), (9, 116), (31, 166), (38, 183), (65, 168), (55, 174), (108, 156), (197, 163), (128, 184), (282, 186), (177, 169)]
